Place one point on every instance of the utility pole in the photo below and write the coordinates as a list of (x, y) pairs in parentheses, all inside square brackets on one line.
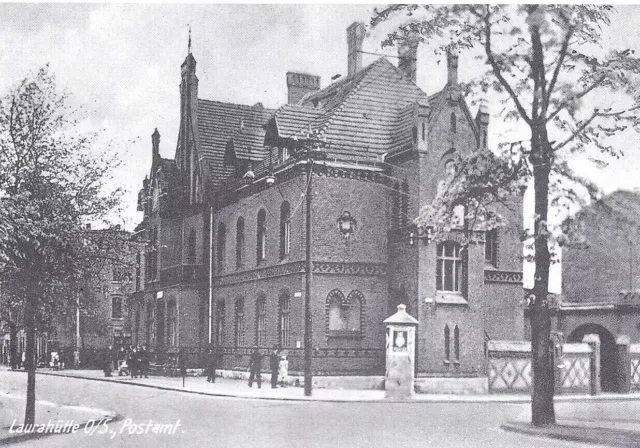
[(311, 145)]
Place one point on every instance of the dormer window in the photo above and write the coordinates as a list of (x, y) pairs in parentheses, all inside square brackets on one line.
[(284, 154)]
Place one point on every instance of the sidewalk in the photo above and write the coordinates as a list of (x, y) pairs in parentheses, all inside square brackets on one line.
[(224, 387)]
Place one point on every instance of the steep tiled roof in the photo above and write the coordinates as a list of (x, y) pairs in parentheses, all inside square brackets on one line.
[(621, 204), (217, 122), (360, 114), (292, 119), (248, 143)]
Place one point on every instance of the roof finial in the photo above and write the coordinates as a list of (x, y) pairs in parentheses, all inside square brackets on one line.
[(189, 49)]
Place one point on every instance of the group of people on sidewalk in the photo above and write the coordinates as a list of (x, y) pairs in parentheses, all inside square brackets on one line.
[(278, 363), (133, 361)]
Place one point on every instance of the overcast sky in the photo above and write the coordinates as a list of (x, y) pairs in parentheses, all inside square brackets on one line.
[(122, 63)]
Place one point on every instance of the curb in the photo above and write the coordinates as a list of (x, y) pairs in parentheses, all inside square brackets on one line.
[(604, 436), (426, 398)]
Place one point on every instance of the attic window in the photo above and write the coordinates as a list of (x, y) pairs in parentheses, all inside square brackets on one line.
[(315, 102)]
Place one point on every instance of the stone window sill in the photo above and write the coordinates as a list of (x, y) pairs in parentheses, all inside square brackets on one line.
[(345, 334), (450, 298)]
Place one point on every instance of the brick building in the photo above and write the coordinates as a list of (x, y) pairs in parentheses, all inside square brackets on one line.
[(386, 147)]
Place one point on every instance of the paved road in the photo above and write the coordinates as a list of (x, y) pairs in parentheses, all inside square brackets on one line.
[(232, 422)]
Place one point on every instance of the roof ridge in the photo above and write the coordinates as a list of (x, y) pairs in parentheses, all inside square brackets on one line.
[(246, 106)]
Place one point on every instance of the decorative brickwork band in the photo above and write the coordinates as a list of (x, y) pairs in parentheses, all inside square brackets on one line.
[(494, 276), (296, 267)]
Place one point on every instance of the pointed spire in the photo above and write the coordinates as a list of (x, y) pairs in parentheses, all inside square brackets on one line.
[(189, 47)]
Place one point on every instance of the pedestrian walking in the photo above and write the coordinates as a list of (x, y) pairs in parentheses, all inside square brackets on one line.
[(144, 361), (212, 361), (255, 367), (283, 369), (106, 361), (274, 361), (132, 362)]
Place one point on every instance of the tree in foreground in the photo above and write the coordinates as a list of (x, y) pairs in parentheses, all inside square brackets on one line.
[(52, 183), (562, 92)]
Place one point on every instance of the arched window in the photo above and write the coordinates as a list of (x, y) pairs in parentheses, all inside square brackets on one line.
[(191, 254), (172, 322), (337, 311), (222, 247), (220, 322), (453, 123), (355, 311), (448, 267), (456, 344), (447, 342), (284, 319), (239, 322), (404, 204), (285, 230), (261, 236), (116, 307), (261, 320), (240, 243)]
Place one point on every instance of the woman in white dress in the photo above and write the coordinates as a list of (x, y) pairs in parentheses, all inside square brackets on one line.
[(283, 370)]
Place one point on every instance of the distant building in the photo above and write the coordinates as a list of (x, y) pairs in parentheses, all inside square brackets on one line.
[(236, 180), (601, 278)]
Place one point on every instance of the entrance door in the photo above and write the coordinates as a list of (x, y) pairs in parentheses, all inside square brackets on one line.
[(607, 353)]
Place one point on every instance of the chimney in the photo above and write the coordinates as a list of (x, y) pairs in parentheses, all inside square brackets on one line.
[(300, 84), (355, 37), (482, 121), (408, 56), (452, 68), (155, 143)]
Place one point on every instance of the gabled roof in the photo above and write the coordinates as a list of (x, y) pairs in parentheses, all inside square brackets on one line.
[(360, 114), (248, 143), (218, 122)]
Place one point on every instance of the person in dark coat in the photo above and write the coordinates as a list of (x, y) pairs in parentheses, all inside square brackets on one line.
[(106, 361), (274, 359), (139, 361), (132, 362), (144, 361), (212, 361), (255, 367)]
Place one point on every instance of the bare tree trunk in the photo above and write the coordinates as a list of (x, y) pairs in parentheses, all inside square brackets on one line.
[(30, 327), (542, 411), (13, 345)]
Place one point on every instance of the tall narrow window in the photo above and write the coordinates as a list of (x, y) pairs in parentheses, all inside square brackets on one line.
[(116, 307), (261, 321), (453, 123), (285, 230), (151, 325), (447, 342), (240, 243), (261, 236), (395, 205), (220, 320), (172, 321), (491, 247), (137, 330), (424, 131), (404, 204), (456, 344), (239, 323), (138, 257), (191, 245), (284, 320), (448, 267), (222, 246), (284, 154)]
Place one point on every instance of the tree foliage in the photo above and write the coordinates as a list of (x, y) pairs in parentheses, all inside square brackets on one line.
[(564, 97), (53, 182)]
